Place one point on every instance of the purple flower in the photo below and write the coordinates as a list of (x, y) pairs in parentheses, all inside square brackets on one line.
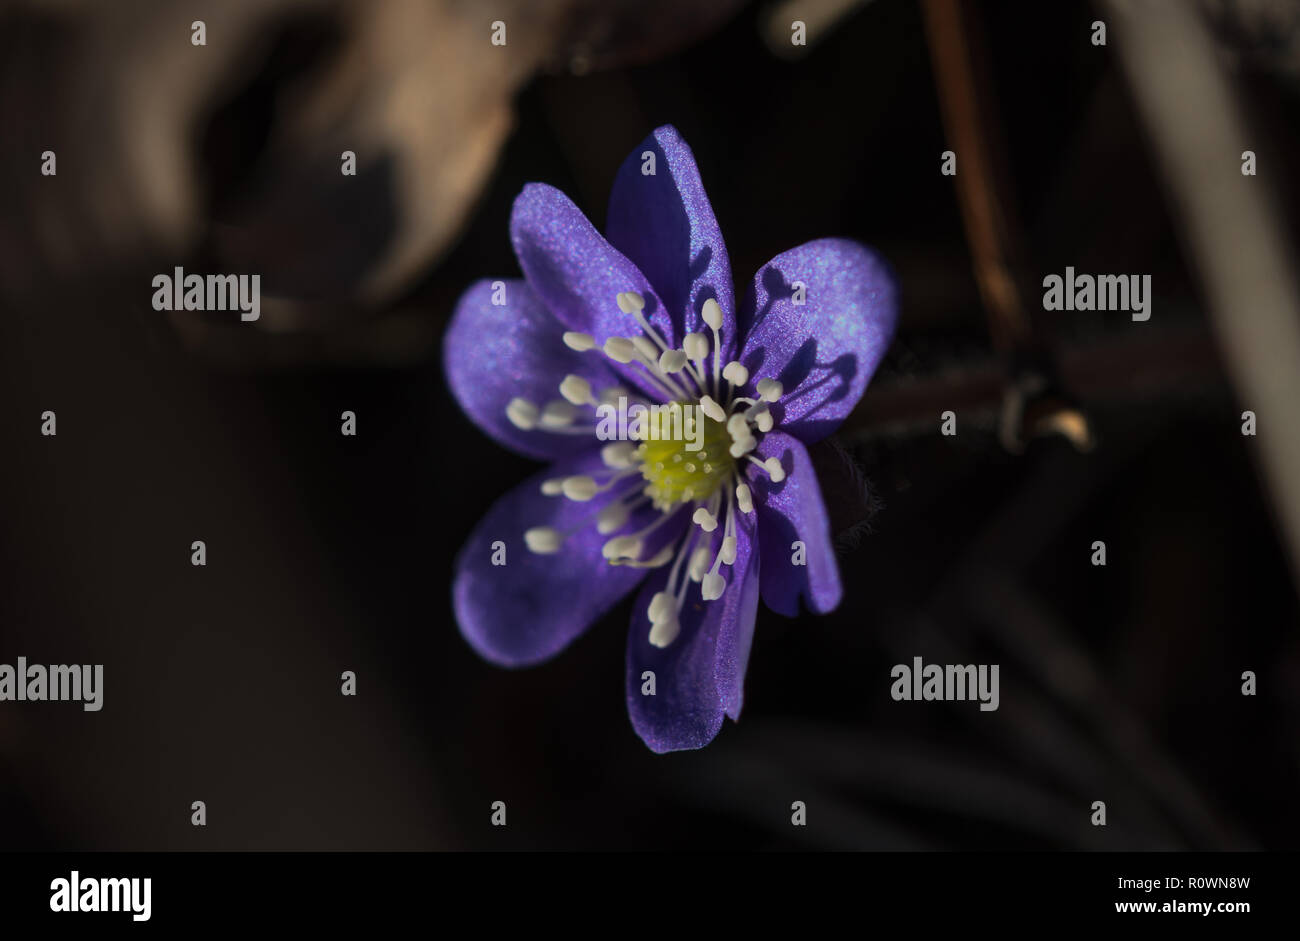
[(703, 514)]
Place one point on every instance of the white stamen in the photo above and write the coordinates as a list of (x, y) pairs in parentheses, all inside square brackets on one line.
[(557, 414), (704, 519), (632, 303), (744, 498), (522, 414), (665, 615), (618, 454), (553, 487), (646, 347), (662, 607), (699, 564), (737, 427), (774, 469), (622, 547), (543, 540), (769, 390), (696, 346), (735, 373), (712, 408), (620, 350), (646, 531), (579, 341), (764, 421), (611, 518), (580, 488), (659, 559), (742, 446), (712, 314), (714, 584), (728, 553), (611, 395), (629, 302), (577, 390), (663, 633), (641, 349), (671, 361)]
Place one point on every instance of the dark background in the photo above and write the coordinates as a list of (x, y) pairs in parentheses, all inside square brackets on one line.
[(328, 553)]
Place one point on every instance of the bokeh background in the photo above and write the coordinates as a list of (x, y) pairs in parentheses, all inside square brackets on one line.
[(328, 553)]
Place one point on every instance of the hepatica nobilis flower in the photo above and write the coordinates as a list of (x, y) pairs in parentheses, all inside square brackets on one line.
[(705, 521)]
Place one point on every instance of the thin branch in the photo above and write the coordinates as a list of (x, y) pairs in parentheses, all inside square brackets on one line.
[(1233, 232)]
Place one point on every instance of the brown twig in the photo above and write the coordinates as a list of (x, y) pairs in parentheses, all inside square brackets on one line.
[(1032, 402), (1153, 363), (956, 50)]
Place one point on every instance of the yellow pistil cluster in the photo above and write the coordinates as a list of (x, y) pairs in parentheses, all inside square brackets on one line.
[(686, 467)]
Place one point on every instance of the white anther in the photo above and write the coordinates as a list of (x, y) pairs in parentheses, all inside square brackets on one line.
[(522, 414), (713, 587), (620, 349), (769, 390), (580, 488), (735, 373), (662, 607), (712, 313), (744, 499), (742, 446), (704, 519), (611, 517), (629, 302), (737, 427), (672, 361), (764, 421), (621, 547), (696, 346), (712, 408), (728, 552), (553, 487), (660, 558), (618, 454), (579, 341), (577, 390), (611, 395), (774, 470), (646, 347), (698, 567), (557, 414), (543, 540), (664, 633)]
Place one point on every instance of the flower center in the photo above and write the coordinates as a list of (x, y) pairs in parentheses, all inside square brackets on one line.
[(692, 465), (689, 451)]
